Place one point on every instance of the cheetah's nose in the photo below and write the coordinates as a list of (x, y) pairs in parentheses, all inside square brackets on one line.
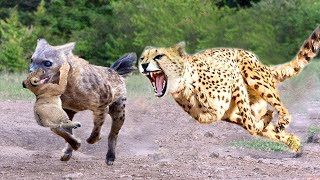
[(144, 66)]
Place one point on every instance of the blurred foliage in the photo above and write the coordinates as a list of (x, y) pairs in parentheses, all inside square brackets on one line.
[(106, 29)]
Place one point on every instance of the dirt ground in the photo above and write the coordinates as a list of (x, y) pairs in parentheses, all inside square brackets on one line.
[(158, 141)]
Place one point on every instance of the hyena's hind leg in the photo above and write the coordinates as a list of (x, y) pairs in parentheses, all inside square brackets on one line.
[(117, 113), (99, 115), (67, 151)]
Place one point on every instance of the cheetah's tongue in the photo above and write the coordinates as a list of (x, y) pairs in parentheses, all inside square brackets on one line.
[(159, 84)]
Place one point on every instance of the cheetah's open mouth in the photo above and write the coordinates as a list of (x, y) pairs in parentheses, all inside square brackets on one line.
[(159, 82)]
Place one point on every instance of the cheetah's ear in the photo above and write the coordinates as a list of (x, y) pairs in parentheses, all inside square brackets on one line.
[(148, 47), (180, 48), (66, 48)]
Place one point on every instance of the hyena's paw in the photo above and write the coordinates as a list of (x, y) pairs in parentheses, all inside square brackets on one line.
[(294, 144), (283, 123), (94, 137), (66, 156), (67, 153), (110, 157)]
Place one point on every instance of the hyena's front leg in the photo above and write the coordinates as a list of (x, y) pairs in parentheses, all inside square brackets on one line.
[(72, 141), (67, 151), (98, 120), (117, 113)]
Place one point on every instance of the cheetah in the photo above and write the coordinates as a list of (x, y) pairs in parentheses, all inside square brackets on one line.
[(227, 84), (48, 108), (101, 90)]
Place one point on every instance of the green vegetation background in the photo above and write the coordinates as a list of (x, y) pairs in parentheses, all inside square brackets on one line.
[(106, 29)]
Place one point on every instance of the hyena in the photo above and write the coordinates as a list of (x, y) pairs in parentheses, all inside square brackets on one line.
[(99, 89)]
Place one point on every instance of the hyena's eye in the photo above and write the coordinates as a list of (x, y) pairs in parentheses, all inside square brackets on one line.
[(47, 63), (31, 60), (158, 57)]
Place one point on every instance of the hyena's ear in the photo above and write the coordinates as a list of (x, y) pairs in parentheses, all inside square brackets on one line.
[(180, 48), (66, 48), (41, 43)]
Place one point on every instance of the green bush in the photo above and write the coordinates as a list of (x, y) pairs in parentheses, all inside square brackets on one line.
[(273, 29), (106, 29), (13, 35)]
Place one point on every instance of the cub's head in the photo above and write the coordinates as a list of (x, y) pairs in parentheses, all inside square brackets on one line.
[(164, 67), (50, 58), (35, 79)]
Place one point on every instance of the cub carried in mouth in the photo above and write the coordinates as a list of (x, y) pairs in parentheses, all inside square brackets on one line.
[(48, 107)]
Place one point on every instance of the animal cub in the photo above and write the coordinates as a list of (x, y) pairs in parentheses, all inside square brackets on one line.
[(48, 107)]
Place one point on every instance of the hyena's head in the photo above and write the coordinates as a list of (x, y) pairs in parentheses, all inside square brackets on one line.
[(50, 58)]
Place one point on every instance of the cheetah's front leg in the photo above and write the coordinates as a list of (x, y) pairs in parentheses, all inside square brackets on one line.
[(249, 122)]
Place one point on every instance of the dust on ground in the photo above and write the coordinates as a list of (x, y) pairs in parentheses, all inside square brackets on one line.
[(158, 141)]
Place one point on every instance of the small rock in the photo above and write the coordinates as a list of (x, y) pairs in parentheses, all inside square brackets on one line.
[(208, 134), (126, 176), (314, 138), (256, 169), (214, 155), (72, 175), (248, 158)]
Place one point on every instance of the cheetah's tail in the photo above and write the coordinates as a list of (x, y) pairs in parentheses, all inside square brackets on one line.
[(307, 52), (125, 65)]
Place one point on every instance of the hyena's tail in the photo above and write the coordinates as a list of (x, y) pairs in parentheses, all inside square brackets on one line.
[(125, 65), (307, 52)]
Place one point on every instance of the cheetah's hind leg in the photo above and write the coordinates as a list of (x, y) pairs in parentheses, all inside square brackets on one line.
[(291, 140), (271, 95)]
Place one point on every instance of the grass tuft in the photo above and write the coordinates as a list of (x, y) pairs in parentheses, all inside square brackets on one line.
[(261, 145), (313, 130)]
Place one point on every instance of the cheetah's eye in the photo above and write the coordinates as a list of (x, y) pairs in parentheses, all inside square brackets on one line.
[(158, 57)]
